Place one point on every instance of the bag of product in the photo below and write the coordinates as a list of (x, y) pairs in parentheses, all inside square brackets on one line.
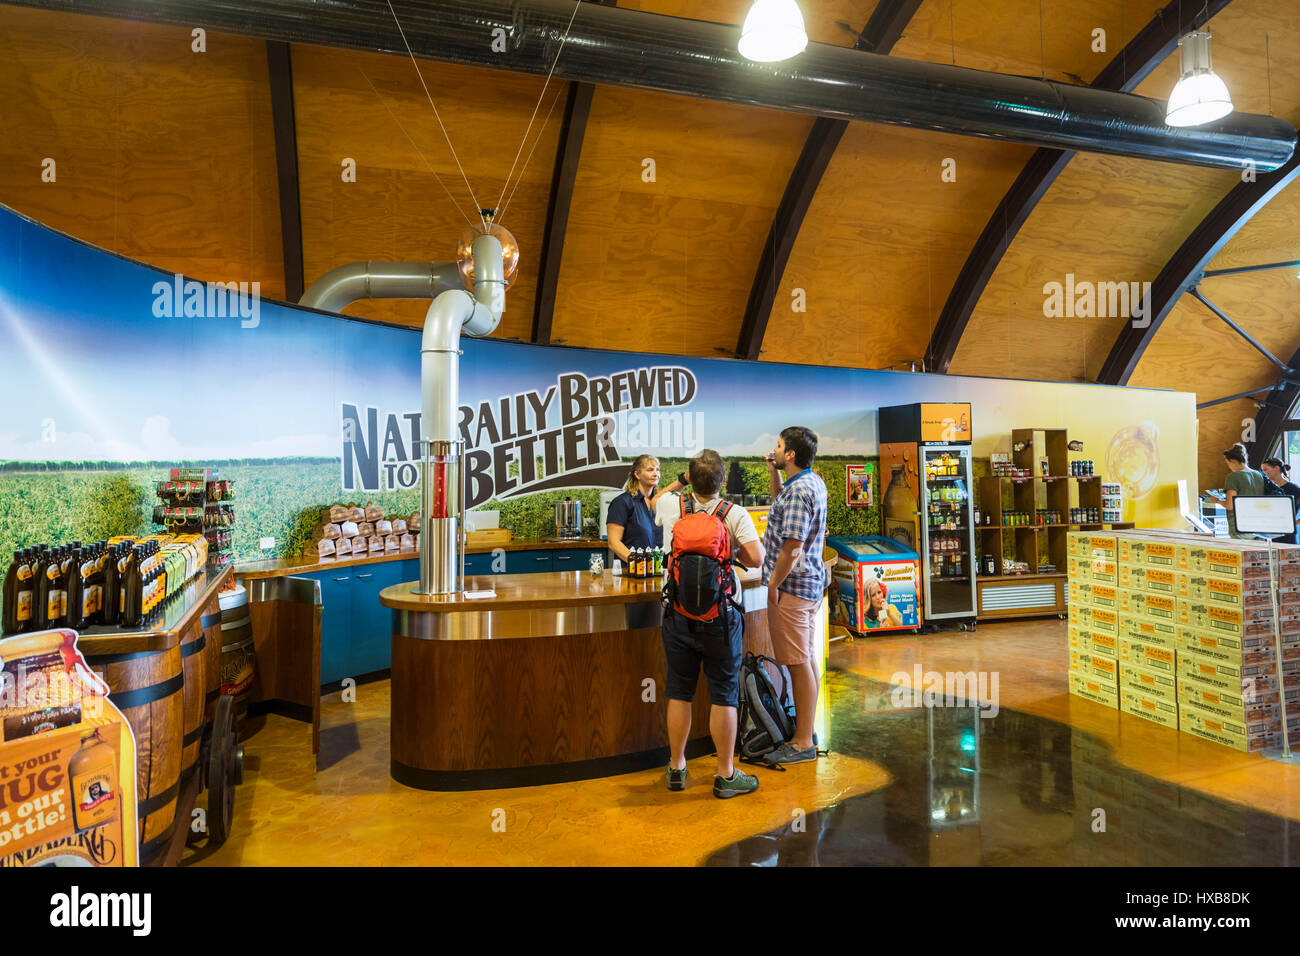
[(376, 544), (408, 542), (349, 529), (392, 542), (325, 547), (342, 546), (356, 514), (331, 531), (339, 513), (399, 526), (383, 527), (374, 512), (360, 546), (365, 529)]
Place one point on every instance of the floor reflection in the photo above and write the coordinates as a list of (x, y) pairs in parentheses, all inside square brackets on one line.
[(1013, 789)]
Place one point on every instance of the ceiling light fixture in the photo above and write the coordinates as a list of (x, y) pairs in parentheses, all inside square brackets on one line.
[(773, 31), (1199, 96)]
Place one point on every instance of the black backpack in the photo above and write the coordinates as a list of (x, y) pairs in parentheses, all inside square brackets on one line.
[(766, 718)]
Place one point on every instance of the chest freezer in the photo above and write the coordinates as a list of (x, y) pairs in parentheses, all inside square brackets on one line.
[(878, 582)]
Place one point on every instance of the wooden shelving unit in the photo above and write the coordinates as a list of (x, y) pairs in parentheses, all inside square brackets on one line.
[(1039, 591)]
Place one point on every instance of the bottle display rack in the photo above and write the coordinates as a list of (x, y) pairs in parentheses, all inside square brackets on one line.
[(199, 501)]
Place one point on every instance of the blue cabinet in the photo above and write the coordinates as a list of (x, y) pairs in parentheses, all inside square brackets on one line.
[(576, 559), (527, 562), (335, 623), (370, 640)]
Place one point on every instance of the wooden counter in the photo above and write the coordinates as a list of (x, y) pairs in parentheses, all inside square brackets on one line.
[(558, 677), (308, 564)]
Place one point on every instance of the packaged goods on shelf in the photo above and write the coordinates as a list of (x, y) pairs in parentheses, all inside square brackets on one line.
[(342, 547), (356, 514), (407, 542), (372, 513), (392, 542), (339, 513), (365, 529), (360, 545), (1162, 684), (1142, 702), (383, 527), (399, 526), (325, 547), (348, 529), (331, 531)]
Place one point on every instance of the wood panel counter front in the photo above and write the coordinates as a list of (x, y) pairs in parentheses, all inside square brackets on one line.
[(558, 676)]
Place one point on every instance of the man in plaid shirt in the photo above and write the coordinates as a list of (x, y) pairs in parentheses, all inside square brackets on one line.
[(795, 577)]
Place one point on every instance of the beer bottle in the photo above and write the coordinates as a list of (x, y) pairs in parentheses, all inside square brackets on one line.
[(18, 594), (74, 603), (131, 593)]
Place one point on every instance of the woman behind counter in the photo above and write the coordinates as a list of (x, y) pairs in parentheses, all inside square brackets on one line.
[(1278, 473), (630, 522)]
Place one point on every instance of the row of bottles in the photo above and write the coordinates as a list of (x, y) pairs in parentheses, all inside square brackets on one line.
[(645, 563), (116, 584), (947, 542)]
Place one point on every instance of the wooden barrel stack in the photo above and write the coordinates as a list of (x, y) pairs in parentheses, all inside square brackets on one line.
[(148, 688)]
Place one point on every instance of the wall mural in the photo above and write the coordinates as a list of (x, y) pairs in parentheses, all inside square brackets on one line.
[(113, 372)]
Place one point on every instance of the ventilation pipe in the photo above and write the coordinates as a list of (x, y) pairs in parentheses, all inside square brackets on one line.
[(442, 515), (339, 288)]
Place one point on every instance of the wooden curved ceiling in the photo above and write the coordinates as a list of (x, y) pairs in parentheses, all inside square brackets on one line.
[(168, 156)]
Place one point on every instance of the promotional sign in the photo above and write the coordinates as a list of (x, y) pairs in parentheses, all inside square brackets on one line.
[(945, 424), (858, 492), (67, 759), (304, 409)]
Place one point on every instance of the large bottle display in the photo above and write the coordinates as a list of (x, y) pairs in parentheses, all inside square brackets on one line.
[(927, 505)]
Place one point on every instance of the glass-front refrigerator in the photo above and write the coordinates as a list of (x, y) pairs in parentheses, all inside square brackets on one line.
[(947, 532)]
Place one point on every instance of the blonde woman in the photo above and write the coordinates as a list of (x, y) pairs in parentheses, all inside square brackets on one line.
[(630, 522)]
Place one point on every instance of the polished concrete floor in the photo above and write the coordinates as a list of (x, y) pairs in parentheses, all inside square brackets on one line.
[(1049, 780)]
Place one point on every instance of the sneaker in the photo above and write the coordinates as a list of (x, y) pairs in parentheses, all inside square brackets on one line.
[(787, 754), (739, 784), (676, 779)]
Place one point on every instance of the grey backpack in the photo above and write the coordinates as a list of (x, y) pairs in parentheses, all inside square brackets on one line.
[(766, 718)]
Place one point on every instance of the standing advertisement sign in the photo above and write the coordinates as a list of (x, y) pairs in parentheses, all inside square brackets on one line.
[(67, 759)]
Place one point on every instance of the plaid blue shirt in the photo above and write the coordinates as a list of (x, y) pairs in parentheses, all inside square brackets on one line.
[(799, 512)]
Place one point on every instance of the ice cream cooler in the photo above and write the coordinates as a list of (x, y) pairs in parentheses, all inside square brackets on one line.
[(877, 584)]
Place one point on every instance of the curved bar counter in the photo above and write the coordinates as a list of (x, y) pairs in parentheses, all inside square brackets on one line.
[(558, 677)]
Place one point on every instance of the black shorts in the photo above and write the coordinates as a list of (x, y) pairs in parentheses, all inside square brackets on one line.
[(689, 644)]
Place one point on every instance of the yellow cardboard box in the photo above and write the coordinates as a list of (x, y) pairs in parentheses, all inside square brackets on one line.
[(1097, 691), (1235, 622), (1103, 571), (1230, 733), (1246, 679), (1096, 666), (1160, 659), (1148, 630), (1224, 703), (1098, 595), (1145, 551), (1226, 590), (1224, 558), (1079, 569), (1094, 642), (1162, 684), (1140, 577), (1226, 647), (1158, 607), (1140, 703)]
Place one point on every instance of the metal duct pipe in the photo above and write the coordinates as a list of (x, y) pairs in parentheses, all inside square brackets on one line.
[(442, 514), (339, 288), (621, 47)]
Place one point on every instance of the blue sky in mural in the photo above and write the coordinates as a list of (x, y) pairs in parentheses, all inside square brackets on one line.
[(88, 362)]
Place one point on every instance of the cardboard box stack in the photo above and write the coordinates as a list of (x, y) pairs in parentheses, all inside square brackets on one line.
[(1186, 624)]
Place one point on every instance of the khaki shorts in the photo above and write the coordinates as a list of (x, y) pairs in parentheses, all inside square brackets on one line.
[(791, 624)]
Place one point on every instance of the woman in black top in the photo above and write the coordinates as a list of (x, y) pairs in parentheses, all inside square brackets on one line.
[(630, 522), (1278, 473)]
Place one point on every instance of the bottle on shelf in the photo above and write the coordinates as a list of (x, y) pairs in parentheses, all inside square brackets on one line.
[(131, 588), (18, 594)]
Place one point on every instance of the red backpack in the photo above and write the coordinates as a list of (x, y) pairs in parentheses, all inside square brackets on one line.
[(700, 581)]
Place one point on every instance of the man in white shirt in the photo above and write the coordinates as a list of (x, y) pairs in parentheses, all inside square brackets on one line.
[(716, 647)]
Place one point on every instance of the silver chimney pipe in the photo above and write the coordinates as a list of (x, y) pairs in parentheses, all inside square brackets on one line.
[(442, 483), (339, 288)]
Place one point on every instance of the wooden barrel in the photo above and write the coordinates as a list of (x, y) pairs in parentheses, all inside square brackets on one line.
[(193, 643), (211, 624), (147, 688), (238, 663)]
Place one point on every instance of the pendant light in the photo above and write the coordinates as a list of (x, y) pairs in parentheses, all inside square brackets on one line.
[(1199, 96), (773, 31)]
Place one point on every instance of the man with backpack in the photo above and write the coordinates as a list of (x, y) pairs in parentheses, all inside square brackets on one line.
[(703, 623), (796, 578)]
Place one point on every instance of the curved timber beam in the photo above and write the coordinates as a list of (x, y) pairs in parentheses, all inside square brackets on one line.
[(1157, 40), (883, 30), (577, 109), (1186, 267), (1270, 422)]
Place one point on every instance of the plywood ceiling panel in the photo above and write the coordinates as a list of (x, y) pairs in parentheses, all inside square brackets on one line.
[(667, 265), (162, 154), (1108, 219), (364, 107), (821, 20)]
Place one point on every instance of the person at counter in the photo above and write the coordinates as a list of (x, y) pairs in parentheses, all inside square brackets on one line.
[(716, 645), (1241, 480), (630, 522), (1278, 473), (795, 578)]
